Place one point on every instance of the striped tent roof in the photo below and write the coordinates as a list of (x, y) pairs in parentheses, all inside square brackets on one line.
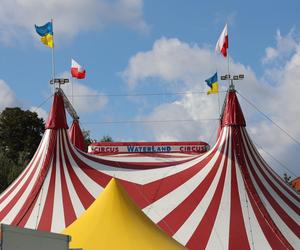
[(226, 198), (76, 135)]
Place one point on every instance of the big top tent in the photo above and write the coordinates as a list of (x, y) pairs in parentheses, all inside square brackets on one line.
[(227, 198)]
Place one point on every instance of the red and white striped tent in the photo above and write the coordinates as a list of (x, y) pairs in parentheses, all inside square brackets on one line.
[(226, 198), (76, 135)]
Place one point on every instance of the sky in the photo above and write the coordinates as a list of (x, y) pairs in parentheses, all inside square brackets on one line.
[(147, 61)]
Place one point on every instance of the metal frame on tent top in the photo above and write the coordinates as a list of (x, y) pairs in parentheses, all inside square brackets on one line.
[(232, 78), (59, 81), (68, 105)]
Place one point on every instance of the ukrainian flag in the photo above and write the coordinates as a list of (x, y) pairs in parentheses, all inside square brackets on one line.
[(212, 82), (46, 33)]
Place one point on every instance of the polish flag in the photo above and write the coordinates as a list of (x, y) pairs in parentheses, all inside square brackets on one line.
[(77, 71), (222, 44)]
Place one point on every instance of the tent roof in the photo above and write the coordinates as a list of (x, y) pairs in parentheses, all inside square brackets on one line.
[(76, 135), (57, 115), (113, 221), (233, 115), (226, 198)]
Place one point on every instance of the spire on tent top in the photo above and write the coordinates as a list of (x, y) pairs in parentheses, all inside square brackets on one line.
[(232, 114), (57, 115)]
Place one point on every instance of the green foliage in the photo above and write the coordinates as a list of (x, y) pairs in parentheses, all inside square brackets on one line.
[(20, 134), (106, 138), (10, 169), (87, 139), (20, 131)]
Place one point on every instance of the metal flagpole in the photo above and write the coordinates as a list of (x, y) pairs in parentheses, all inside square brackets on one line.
[(72, 81), (53, 61), (72, 90), (228, 70), (219, 103), (218, 92)]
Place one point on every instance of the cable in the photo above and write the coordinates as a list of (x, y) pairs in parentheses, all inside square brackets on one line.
[(213, 131), (268, 118), (46, 100), (146, 94), (149, 121), (275, 159)]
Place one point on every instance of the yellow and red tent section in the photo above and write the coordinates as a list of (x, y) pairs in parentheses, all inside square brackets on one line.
[(113, 221)]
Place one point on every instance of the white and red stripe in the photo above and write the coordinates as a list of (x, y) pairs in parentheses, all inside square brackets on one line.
[(77, 71), (222, 43), (227, 198)]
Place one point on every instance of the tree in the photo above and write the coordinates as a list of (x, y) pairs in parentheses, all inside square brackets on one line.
[(87, 139), (106, 138), (20, 131), (20, 134), (10, 169)]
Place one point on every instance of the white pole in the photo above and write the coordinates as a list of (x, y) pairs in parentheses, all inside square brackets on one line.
[(228, 70), (53, 61), (72, 91), (219, 103)]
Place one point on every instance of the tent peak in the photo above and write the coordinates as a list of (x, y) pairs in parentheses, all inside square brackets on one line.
[(232, 114), (113, 221), (57, 115)]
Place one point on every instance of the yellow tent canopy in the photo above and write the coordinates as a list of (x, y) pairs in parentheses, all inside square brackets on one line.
[(114, 222)]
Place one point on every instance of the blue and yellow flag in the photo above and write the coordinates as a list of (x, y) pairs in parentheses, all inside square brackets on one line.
[(46, 33), (212, 82)]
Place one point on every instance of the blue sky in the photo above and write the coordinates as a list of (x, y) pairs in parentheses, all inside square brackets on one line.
[(136, 46)]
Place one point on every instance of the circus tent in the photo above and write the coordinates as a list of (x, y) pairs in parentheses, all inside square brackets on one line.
[(76, 135), (226, 198), (112, 215)]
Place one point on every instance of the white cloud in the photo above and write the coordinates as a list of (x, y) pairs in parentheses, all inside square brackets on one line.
[(7, 96), (173, 61), (285, 46), (186, 66), (9, 99), (201, 109), (40, 111), (170, 60), (17, 17), (283, 107), (85, 99)]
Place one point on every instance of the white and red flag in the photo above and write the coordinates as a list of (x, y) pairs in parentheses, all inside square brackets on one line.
[(77, 70), (222, 43)]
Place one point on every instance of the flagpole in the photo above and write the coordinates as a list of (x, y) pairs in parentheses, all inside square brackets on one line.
[(72, 91), (53, 61), (72, 81), (219, 103), (218, 93), (228, 63)]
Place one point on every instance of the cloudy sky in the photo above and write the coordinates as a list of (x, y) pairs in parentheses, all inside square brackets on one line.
[(147, 60)]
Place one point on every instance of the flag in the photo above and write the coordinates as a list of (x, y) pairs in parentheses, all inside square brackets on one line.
[(77, 71), (212, 82), (46, 33), (222, 43)]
